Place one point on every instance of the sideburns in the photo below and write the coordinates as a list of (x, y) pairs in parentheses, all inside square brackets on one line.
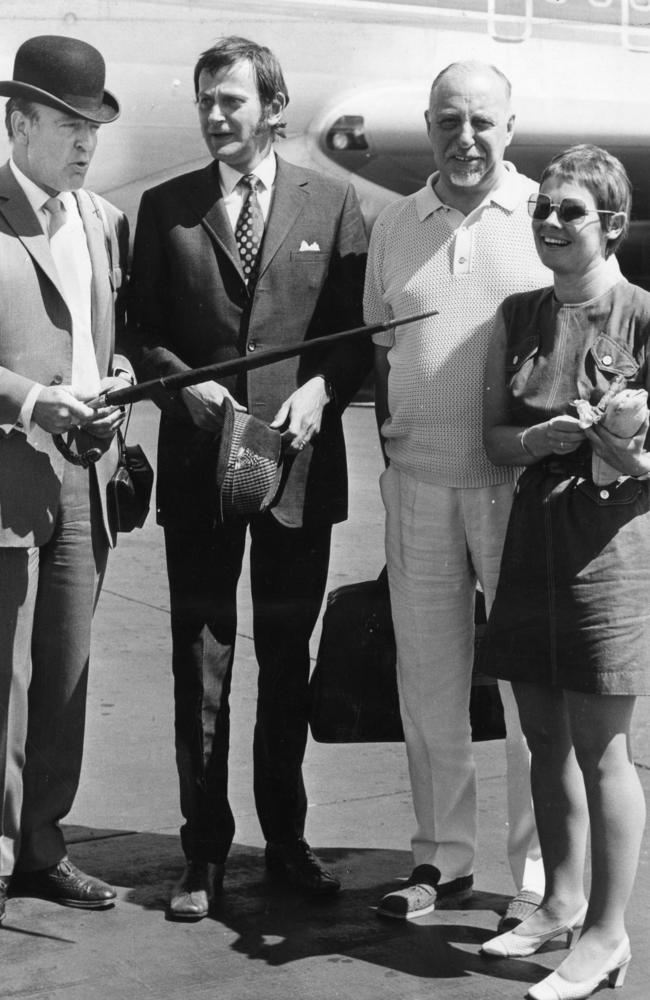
[(262, 125)]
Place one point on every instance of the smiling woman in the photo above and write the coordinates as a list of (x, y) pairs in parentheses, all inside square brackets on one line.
[(570, 625), (580, 217)]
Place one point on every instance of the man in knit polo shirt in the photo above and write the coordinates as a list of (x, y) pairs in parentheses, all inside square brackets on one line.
[(459, 245)]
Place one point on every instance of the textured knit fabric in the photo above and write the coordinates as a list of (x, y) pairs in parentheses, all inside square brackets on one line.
[(425, 256), (572, 603)]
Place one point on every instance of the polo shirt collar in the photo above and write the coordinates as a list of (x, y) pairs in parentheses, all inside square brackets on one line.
[(507, 194)]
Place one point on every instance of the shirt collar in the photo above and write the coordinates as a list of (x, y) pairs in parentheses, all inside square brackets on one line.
[(35, 195), (266, 170), (506, 194)]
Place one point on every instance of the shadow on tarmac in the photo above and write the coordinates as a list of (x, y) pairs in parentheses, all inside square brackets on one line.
[(262, 942)]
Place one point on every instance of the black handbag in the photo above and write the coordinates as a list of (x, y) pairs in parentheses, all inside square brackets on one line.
[(128, 492), (353, 688)]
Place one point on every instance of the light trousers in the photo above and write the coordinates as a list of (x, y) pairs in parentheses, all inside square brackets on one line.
[(47, 597), (439, 542)]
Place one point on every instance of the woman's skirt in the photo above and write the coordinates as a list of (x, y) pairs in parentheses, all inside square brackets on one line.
[(572, 608)]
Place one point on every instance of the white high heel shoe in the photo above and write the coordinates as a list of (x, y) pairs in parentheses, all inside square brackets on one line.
[(513, 945), (556, 987)]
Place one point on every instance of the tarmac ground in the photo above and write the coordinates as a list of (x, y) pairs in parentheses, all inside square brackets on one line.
[(262, 942)]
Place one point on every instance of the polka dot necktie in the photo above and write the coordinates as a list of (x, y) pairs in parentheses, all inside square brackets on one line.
[(250, 226), (57, 213)]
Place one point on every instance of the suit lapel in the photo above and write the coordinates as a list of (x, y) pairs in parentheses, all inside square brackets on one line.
[(22, 219), (208, 202), (289, 199), (217, 223), (93, 225)]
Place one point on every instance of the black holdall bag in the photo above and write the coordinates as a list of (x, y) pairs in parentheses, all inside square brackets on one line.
[(128, 491), (353, 688)]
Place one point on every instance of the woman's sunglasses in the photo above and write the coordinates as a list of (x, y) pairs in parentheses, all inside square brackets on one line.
[(569, 210)]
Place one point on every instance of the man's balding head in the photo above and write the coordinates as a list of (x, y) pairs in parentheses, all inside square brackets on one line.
[(470, 124), (473, 67)]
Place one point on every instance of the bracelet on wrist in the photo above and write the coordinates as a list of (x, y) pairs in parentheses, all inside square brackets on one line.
[(522, 442)]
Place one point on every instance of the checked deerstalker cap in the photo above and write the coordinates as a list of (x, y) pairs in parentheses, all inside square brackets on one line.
[(249, 465)]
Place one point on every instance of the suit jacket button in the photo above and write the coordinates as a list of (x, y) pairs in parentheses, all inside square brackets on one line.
[(57, 380), (251, 346)]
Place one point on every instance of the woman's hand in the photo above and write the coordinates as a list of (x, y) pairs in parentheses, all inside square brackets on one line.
[(557, 436), (628, 455), (564, 434)]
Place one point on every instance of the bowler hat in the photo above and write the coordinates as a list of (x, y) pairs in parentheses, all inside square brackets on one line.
[(249, 466), (63, 73)]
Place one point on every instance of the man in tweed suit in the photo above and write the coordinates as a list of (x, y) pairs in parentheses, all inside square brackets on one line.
[(57, 331)]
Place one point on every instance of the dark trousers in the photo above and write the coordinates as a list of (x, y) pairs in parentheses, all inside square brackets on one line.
[(47, 597), (288, 568)]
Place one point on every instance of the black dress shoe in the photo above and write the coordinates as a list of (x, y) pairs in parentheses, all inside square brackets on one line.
[(63, 883), (295, 863), (195, 890), (4, 892)]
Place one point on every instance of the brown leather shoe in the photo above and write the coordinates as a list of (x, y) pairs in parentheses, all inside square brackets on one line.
[(192, 895), (296, 864), (4, 892), (64, 883)]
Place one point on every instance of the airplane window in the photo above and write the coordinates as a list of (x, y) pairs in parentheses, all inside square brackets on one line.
[(520, 32)]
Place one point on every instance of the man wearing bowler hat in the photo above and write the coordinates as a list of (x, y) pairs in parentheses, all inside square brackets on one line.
[(61, 251), (244, 254)]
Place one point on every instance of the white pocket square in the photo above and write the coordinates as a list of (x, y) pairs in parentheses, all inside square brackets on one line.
[(308, 246)]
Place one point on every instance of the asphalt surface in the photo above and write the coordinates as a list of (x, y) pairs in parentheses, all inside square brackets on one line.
[(262, 943)]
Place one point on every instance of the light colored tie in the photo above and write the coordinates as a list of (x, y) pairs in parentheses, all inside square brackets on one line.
[(250, 226), (57, 213), (73, 264)]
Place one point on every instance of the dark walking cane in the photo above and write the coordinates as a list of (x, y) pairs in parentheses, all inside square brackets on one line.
[(172, 383)]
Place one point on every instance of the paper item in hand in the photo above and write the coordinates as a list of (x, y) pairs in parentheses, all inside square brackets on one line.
[(623, 416)]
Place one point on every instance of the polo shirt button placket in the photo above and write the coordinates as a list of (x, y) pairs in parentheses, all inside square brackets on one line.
[(462, 250)]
